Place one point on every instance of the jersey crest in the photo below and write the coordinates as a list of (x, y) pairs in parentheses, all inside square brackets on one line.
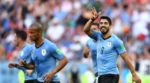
[(43, 52), (109, 44)]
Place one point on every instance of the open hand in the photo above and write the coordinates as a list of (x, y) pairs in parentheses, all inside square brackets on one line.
[(95, 14), (48, 77)]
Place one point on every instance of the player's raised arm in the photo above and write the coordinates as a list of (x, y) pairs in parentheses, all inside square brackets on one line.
[(87, 26)]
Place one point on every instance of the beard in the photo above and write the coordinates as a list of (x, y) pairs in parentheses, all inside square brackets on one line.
[(104, 30)]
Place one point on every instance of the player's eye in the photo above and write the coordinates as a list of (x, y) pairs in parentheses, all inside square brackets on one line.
[(106, 23)]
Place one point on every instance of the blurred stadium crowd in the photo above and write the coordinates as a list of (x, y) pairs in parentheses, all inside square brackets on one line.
[(63, 21)]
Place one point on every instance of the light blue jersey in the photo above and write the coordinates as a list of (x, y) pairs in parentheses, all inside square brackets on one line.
[(45, 58), (108, 51), (91, 44), (25, 54)]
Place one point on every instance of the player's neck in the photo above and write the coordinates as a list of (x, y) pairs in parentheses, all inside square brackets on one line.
[(107, 35), (39, 42), (21, 44)]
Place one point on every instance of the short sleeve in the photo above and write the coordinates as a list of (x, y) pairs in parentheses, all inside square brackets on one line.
[(119, 46), (56, 52), (95, 35)]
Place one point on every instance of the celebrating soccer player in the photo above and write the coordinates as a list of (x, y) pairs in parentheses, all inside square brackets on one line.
[(109, 47)]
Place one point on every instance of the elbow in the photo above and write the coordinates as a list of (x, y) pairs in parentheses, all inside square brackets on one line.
[(85, 30), (88, 32)]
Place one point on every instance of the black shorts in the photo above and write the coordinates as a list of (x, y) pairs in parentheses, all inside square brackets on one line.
[(108, 78), (30, 81), (49, 82)]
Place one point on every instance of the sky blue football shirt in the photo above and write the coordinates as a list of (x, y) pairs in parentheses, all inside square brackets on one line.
[(108, 51), (45, 59), (25, 54)]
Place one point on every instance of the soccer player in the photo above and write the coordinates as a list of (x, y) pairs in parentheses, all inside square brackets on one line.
[(45, 56), (25, 54), (90, 49), (109, 47)]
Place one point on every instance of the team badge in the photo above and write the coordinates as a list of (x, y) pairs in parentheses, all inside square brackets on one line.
[(43, 52), (109, 44)]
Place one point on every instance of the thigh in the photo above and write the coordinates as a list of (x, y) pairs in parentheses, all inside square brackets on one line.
[(110, 78), (30, 81)]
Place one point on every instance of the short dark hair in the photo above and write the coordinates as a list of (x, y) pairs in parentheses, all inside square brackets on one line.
[(21, 34), (37, 26), (107, 18)]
